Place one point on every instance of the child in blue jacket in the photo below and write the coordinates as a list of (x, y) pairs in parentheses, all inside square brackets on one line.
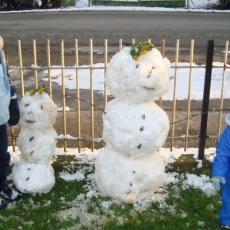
[(9, 113), (221, 174)]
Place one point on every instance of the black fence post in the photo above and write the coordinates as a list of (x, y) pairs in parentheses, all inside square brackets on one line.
[(206, 95)]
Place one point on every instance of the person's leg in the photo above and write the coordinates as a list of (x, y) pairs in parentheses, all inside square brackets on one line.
[(4, 156), (225, 211), (4, 162), (5, 191)]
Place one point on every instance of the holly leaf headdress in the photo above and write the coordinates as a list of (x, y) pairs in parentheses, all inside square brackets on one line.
[(39, 90), (139, 49)]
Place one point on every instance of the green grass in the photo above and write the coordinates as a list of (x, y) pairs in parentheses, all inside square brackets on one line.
[(189, 209), (176, 3), (67, 3)]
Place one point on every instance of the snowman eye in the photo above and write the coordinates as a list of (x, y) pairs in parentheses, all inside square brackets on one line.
[(41, 107), (27, 104), (137, 66)]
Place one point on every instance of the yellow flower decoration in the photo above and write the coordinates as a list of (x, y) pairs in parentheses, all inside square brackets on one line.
[(39, 90), (139, 49)]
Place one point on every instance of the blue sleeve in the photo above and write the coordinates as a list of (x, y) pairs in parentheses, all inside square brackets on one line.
[(221, 164)]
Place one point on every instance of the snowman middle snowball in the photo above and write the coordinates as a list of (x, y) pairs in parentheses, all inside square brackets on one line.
[(134, 127)]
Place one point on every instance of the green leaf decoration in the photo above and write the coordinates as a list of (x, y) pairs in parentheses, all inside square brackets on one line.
[(139, 49), (39, 90)]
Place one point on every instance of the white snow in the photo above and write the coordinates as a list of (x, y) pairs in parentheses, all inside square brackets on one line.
[(36, 141), (82, 3), (86, 156), (118, 8), (137, 81), (37, 145), (37, 112), (132, 139), (134, 133), (77, 176), (128, 179), (33, 178), (202, 182), (60, 109), (198, 73), (194, 4)]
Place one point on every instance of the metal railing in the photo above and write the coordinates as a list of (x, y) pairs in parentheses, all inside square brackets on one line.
[(185, 136)]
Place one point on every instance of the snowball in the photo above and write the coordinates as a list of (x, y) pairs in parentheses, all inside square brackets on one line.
[(33, 178), (200, 182), (128, 179), (138, 80), (134, 129), (77, 176), (37, 146), (38, 111)]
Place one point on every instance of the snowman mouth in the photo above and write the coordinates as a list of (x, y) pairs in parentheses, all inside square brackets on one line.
[(30, 121), (148, 88)]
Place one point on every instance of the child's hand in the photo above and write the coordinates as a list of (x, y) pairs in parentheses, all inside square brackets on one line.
[(218, 182)]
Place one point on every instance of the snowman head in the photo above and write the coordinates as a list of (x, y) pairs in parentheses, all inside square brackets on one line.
[(37, 111), (138, 78)]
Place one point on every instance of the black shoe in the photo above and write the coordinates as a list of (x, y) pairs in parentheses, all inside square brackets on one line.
[(225, 227), (3, 203), (10, 194)]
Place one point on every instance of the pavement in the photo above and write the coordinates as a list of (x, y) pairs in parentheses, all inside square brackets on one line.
[(113, 26)]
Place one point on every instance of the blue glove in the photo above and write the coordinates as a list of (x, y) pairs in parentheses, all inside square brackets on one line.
[(218, 182), (14, 107)]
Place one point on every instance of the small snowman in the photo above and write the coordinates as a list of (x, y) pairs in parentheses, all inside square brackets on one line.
[(36, 141), (130, 167)]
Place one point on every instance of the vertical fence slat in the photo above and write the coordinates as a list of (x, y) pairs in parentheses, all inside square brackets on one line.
[(63, 92), (189, 93), (105, 69), (35, 63), (163, 47), (120, 44), (78, 94), (48, 67), (163, 54), (222, 87), (21, 68), (6, 51), (91, 93), (133, 41), (174, 94)]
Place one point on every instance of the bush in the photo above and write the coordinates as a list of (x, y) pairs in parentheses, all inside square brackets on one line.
[(31, 4), (223, 4)]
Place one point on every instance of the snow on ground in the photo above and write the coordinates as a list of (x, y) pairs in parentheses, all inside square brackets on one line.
[(199, 182), (77, 176), (197, 75), (86, 156), (118, 8), (201, 3), (78, 208)]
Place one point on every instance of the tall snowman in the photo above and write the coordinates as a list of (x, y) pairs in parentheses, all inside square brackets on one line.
[(130, 167), (36, 141)]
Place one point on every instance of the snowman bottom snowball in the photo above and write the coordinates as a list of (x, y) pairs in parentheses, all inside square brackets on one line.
[(129, 179), (33, 178)]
